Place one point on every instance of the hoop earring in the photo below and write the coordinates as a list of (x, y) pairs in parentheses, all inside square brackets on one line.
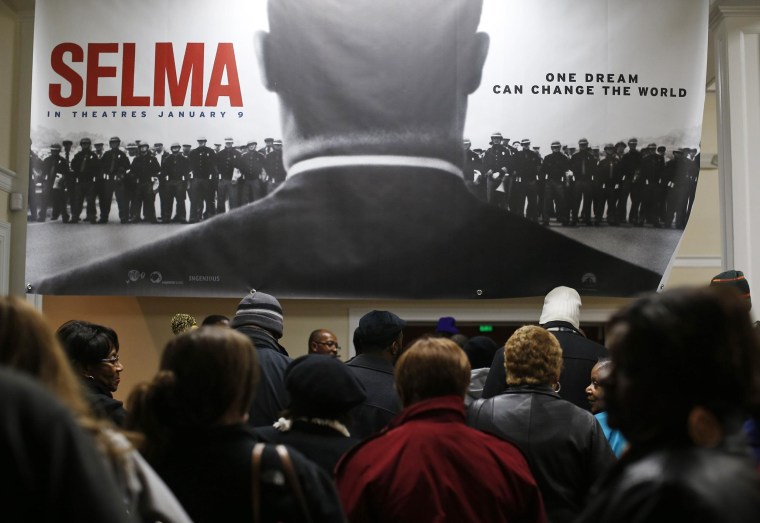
[(557, 387)]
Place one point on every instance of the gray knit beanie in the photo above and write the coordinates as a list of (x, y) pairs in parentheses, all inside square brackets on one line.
[(261, 310)]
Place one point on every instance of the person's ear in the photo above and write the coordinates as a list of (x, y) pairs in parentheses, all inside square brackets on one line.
[(266, 63), (472, 61), (704, 428), (84, 370)]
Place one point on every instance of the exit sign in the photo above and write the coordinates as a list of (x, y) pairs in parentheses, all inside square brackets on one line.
[(486, 328)]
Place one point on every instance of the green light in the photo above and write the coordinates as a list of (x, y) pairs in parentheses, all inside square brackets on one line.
[(486, 328)]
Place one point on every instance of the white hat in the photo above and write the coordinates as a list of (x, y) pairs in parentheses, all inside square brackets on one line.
[(562, 304)]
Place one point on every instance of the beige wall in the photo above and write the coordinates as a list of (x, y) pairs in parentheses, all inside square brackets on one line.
[(4, 197), (7, 79), (701, 243), (16, 34)]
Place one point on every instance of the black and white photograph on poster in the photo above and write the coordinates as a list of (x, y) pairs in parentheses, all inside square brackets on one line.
[(383, 149)]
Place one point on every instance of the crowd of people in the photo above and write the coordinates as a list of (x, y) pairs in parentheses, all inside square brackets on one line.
[(637, 186), (551, 426), (68, 182)]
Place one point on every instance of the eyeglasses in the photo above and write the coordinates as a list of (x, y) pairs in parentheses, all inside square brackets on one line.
[(113, 360), (329, 343)]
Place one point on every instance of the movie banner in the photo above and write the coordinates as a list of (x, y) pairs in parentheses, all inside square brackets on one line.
[(362, 149)]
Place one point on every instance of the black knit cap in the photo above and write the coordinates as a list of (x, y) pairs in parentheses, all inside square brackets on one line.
[(480, 351), (322, 387), (733, 279), (378, 328), (259, 309)]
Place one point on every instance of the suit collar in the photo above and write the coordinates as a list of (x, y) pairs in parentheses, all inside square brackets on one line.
[(329, 162)]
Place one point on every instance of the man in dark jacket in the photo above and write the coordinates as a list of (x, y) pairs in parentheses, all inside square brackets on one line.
[(560, 316), (259, 316), (378, 341)]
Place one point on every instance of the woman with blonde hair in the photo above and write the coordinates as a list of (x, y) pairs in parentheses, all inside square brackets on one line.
[(564, 444), (28, 345)]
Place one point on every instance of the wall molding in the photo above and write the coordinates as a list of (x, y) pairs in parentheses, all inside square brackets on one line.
[(5, 258), (698, 261), (6, 179), (719, 13)]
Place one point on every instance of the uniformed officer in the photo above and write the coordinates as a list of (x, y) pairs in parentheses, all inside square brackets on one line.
[(678, 193), (145, 170), (186, 148), (161, 155), (652, 165), (583, 165), (114, 167), (525, 182), (633, 182), (250, 186), (473, 169), (131, 151), (661, 191), (174, 176), (53, 173), (268, 146), (227, 161), (98, 185), (554, 169), (35, 177), (693, 177), (67, 154), (253, 185), (472, 161), (274, 166), (85, 167), (497, 162), (603, 183), (595, 150), (204, 173)]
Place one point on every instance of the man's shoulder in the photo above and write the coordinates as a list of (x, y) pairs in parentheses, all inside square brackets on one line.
[(577, 346)]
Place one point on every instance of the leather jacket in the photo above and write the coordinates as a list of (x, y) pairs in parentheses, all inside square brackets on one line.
[(677, 484), (564, 444)]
